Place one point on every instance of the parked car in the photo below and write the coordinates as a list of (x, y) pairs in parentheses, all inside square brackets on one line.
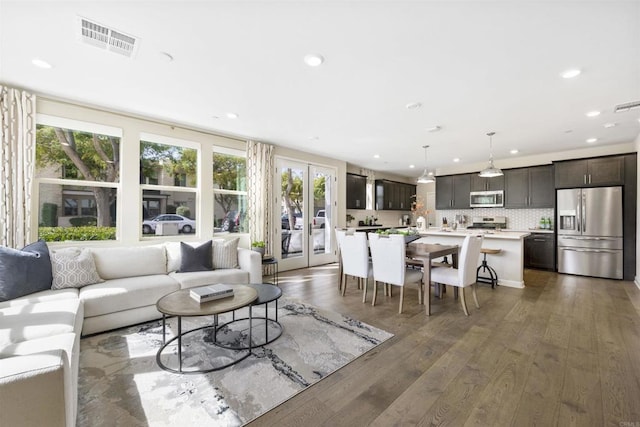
[(298, 221), (185, 225), (319, 219)]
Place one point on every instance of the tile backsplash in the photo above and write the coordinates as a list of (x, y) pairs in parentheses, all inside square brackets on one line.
[(517, 219)]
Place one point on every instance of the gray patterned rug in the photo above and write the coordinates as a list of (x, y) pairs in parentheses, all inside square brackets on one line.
[(121, 384)]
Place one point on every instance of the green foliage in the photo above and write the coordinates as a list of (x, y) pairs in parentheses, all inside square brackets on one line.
[(184, 211), (61, 234), (83, 221), (175, 160), (229, 173), (50, 214), (257, 244)]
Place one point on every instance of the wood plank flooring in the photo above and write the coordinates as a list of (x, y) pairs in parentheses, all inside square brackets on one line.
[(563, 351)]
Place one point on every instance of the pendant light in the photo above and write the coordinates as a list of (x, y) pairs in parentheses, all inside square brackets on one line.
[(490, 171), (425, 178)]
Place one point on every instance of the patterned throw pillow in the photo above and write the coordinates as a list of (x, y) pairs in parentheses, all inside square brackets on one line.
[(73, 268), (225, 253)]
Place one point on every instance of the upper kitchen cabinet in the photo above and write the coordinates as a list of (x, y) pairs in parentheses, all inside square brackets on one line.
[(479, 183), (356, 191), (590, 172), (452, 191), (391, 195), (529, 187)]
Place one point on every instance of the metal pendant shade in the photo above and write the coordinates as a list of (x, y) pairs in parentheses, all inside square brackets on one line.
[(425, 178), (490, 171)]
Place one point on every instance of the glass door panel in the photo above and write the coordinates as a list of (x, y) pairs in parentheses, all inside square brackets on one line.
[(291, 178), (321, 248)]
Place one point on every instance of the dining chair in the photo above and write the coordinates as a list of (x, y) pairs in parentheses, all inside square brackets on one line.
[(354, 254), (465, 274), (388, 255)]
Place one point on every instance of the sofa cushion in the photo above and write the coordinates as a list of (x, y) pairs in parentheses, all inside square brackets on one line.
[(40, 320), (23, 272), (42, 296), (225, 253), (121, 262), (195, 258), (117, 295), (201, 278), (73, 268)]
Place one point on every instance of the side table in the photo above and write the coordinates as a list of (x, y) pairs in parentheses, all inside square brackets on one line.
[(271, 261)]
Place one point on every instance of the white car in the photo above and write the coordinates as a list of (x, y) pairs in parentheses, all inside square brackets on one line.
[(185, 225), (319, 219)]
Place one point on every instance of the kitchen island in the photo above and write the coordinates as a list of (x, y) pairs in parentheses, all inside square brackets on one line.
[(509, 264)]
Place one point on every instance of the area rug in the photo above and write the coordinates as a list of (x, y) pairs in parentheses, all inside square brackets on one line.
[(121, 384)]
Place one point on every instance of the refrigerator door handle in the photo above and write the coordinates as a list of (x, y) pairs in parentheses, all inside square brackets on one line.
[(583, 212)]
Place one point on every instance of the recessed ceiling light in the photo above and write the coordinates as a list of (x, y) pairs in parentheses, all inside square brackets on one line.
[(514, 151), (457, 159), (376, 156), (41, 64), (593, 113), (610, 125), (434, 129), (232, 115), (591, 140), (413, 105), (412, 166), (166, 56), (569, 74), (313, 60)]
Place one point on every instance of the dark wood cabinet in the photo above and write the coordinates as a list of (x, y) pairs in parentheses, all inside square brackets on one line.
[(530, 187), (539, 251), (391, 195), (590, 172), (479, 183), (356, 191), (452, 191)]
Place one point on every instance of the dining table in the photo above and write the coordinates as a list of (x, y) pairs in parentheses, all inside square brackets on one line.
[(426, 252)]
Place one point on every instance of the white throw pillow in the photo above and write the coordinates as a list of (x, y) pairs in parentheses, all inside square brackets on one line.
[(73, 268), (225, 253)]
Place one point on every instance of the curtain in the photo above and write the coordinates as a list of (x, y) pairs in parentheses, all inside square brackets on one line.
[(260, 193), (17, 164)]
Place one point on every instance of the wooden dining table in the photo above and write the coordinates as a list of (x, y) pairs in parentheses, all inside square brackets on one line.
[(426, 252)]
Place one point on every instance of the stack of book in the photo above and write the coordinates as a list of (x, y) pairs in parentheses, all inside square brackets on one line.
[(211, 292)]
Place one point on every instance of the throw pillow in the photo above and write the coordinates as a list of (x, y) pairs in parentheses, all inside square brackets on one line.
[(73, 268), (23, 272), (195, 259), (225, 253)]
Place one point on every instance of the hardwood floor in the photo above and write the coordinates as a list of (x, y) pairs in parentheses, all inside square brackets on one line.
[(563, 351)]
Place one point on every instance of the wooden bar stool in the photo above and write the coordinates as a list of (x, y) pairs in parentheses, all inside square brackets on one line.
[(493, 276)]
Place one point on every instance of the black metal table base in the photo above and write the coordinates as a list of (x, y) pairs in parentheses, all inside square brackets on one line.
[(181, 334), (267, 322)]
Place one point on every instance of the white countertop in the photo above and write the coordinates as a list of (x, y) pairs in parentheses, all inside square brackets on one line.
[(504, 235)]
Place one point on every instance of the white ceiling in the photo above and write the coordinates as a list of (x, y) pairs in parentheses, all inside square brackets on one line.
[(474, 66)]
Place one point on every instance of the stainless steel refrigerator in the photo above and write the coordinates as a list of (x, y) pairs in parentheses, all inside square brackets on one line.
[(589, 223)]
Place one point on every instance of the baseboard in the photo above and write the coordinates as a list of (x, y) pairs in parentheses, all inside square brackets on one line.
[(511, 283), (637, 281)]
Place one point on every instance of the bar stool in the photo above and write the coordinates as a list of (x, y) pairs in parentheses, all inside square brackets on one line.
[(493, 276)]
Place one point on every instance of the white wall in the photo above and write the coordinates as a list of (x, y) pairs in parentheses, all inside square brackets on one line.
[(637, 149)]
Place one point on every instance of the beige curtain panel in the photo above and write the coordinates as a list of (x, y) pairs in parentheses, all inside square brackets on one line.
[(17, 164), (260, 166)]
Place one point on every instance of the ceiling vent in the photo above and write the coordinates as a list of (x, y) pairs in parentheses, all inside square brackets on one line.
[(621, 108), (98, 35)]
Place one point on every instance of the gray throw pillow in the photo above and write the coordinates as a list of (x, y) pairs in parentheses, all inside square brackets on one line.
[(73, 268), (26, 271), (195, 259)]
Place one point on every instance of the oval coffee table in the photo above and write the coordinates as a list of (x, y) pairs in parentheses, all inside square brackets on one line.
[(266, 293), (180, 304)]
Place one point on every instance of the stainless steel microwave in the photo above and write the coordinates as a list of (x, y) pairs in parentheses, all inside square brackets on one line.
[(486, 199)]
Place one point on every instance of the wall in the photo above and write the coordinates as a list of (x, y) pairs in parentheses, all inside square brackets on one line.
[(637, 280)]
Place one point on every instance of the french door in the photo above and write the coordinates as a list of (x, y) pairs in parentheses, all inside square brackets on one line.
[(305, 204)]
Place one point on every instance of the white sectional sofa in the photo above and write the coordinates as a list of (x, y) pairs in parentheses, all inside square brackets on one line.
[(40, 333)]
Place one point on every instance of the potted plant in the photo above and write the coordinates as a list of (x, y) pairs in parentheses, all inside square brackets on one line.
[(258, 246)]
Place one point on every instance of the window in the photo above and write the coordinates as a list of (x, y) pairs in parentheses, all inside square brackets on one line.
[(169, 177), (230, 191), (77, 174)]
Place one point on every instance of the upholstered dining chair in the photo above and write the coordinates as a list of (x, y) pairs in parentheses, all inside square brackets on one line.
[(465, 274), (388, 255), (354, 254)]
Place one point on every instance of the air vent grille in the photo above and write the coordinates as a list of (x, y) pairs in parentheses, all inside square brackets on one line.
[(621, 108), (107, 38)]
